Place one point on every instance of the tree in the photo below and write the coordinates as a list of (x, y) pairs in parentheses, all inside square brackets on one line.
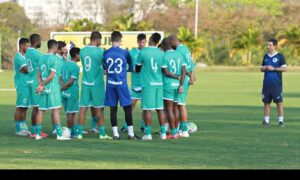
[(126, 23), (83, 25)]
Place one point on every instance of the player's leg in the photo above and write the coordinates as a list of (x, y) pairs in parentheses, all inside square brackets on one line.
[(148, 104), (93, 126), (85, 103), (170, 116), (22, 103), (39, 120), (267, 99), (114, 121), (148, 125), (278, 99), (159, 107)]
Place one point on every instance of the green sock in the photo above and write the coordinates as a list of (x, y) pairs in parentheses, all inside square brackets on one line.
[(174, 131), (23, 125), (33, 129), (18, 126), (93, 122), (147, 130), (80, 130), (125, 125), (102, 130), (38, 128), (53, 127), (180, 125), (142, 124), (163, 129), (184, 126), (58, 130)]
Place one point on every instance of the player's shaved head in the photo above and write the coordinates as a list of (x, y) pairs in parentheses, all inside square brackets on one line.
[(166, 44), (52, 44), (173, 41), (74, 51), (155, 38), (141, 37), (116, 36), (95, 35), (23, 41), (35, 40), (23, 45)]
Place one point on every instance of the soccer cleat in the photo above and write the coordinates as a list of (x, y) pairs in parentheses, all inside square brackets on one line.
[(38, 137), (79, 137), (184, 134), (163, 136), (105, 137), (94, 130), (264, 123), (84, 132), (124, 130), (147, 137), (281, 124), (116, 138), (135, 137), (62, 138), (23, 132), (172, 136)]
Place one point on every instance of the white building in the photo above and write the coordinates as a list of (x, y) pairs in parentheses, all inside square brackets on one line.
[(52, 12)]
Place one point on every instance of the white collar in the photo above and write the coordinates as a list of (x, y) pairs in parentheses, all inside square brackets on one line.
[(272, 55)]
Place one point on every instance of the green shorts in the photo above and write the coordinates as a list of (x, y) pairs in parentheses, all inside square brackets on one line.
[(135, 94), (70, 104), (92, 97), (182, 97), (152, 98), (171, 95), (50, 101), (23, 98), (33, 96)]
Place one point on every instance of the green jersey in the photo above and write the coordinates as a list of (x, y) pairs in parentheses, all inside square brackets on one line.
[(19, 77), (48, 63), (135, 77), (61, 62), (174, 62), (92, 64), (151, 59), (185, 52), (70, 70), (32, 60)]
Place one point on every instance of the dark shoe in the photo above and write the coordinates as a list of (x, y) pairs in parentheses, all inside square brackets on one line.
[(123, 130), (264, 123), (142, 129), (135, 137), (281, 124), (116, 138)]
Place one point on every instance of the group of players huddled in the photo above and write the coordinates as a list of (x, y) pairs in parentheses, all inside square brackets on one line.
[(160, 77)]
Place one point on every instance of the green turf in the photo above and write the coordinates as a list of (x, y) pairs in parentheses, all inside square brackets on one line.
[(225, 105)]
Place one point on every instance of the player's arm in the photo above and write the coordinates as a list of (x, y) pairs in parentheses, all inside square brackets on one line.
[(129, 62), (138, 66), (61, 82), (68, 84), (39, 77), (183, 73), (263, 66), (49, 78), (168, 74), (24, 69)]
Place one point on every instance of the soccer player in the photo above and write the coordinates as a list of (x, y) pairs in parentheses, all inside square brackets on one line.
[(149, 64), (32, 60), (49, 90), (92, 91), (70, 89), (189, 80), (116, 60), (174, 69), (273, 65), (20, 79), (135, 77)]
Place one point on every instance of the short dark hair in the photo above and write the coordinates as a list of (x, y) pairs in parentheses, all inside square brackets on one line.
[(155, 37), (274, 41), (51, 43), (61, 44), (74, 51), (23, 41), (141, 37), (95, 35), (116, 36), (166, 44), (34, 38)]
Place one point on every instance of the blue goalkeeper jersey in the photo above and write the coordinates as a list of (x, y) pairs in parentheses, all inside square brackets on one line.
[(116, 60)]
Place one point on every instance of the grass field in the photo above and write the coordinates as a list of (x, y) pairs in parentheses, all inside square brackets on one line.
[(225, 105)]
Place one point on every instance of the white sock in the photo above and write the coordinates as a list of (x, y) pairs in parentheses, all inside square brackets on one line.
[(167, 126), (280, 118), (115, 131), (130, 131), (267, 119)]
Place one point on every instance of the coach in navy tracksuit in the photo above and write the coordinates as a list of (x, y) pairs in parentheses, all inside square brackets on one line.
[(273, 65)]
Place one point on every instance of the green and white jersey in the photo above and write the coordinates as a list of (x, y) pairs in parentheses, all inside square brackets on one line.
[(185, 52), (32, 60), (20, 78), (151, 59), (135, 77), (174, 62), (48, 63), (70, 70), (92, 64), (61, 62)]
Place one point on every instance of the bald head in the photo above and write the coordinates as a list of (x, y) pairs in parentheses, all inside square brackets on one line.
[(173, 41)]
